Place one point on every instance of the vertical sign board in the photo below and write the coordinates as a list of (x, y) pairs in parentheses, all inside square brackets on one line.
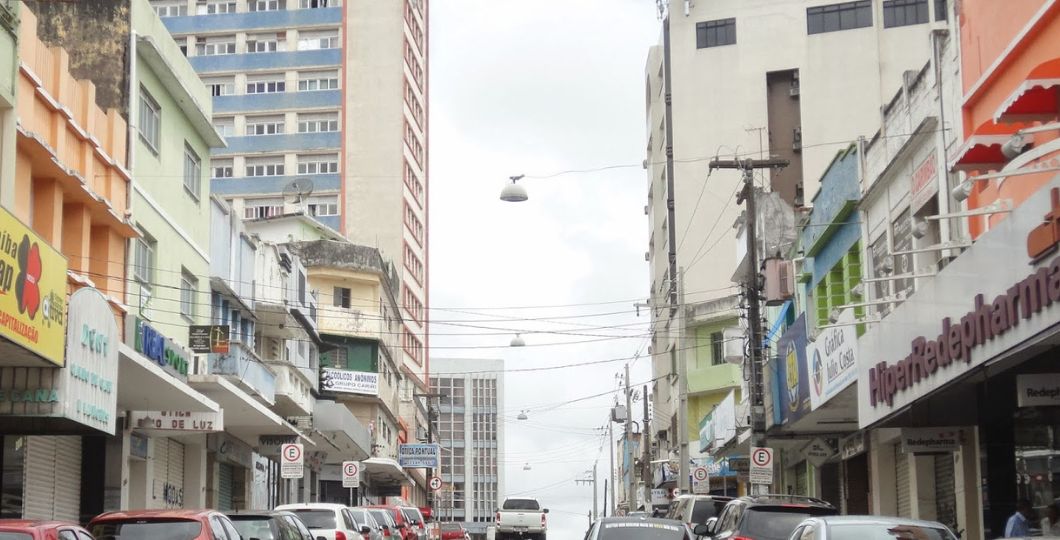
[(761, 465), (700, 481), (351, 474), (292, 457)]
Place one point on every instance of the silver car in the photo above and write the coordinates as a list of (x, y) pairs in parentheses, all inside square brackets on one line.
[(869, 528), (364, 519)]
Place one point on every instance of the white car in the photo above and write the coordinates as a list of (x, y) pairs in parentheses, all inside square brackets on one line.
[(328, 521)]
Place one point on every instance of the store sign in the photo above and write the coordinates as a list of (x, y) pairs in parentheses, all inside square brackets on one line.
[(818, 452), (1038, 389), (164, 351), (851, 446), (1007, 305), (85, 390), (931, 440), (924, 181), (658, 497), (419, 456), (32, 291), (791, 384), (349, 382), (230, 450), (270, 445), (833, 360), (138, 445), (209, 338), (205, 422)]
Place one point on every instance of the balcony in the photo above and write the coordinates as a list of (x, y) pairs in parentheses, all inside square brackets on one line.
[(276, 101), (243, 367), (351, 323), (257, 21), (281, 143), (340, 430), (293, 396), (270, 184), (266, 61), (712, 378)]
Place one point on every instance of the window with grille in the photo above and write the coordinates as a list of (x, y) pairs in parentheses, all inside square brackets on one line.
[(836, 17), (188, 288), (265, 167), (904, 12), (222, 168), (212, 46), (323, 39), (715, 33), (318, 123), (311, 82), (192, 172), (150, 120), (265, 125), (322, 164)]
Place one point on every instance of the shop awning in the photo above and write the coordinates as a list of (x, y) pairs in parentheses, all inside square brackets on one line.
[(1036, 99), (144, 386), (385, 471), (244, 416), (982, 150), (338, 433)]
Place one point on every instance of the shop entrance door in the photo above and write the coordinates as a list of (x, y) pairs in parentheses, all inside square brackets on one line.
[(830, 483), (856, 470)]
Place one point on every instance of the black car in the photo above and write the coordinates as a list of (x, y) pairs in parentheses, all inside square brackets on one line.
[(766, 517), (638, 528), (269, 525)]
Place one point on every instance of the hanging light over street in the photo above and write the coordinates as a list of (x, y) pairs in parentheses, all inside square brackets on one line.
[(517, 341), (514, 192)]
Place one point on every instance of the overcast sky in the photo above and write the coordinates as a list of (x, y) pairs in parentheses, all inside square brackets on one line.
[(537, 87)]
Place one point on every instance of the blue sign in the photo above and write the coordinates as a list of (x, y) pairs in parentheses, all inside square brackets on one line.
[(419, 456), (163, 350), (791, 381), (717, 467)]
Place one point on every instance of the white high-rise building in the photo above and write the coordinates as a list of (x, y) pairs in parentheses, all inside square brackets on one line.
[(470, 429)]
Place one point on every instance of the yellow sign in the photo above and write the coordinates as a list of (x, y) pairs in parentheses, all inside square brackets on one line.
[(32, 291)]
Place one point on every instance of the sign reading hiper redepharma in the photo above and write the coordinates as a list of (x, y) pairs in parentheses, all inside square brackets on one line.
[(349, 382), (1006, 305), (32, 291), (833, 360), (419, 456)]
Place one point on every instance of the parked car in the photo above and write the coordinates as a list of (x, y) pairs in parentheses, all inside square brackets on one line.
[(452, 531), (327, 520), (869, 528), (22, 529), (167, 524), (416, 520), (402, 522), (765, 517), (696, 509), (363, 518), (269, 525), (638, 528), (385, 520), (521, 518)]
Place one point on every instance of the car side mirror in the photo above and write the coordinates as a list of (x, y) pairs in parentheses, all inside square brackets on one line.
[(703, 529), (545, 510), (366, 529), (399, 525), (321, 538), (711, 524)]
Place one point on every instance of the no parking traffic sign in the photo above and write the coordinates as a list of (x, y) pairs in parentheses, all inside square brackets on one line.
[(292, 457), (351, 474), (761, 465)]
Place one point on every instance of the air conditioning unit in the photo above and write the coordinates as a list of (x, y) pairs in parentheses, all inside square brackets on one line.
[(779, 281), (796, 144)]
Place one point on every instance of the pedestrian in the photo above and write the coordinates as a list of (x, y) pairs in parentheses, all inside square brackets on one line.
[(1051, 521), (1018, 525)]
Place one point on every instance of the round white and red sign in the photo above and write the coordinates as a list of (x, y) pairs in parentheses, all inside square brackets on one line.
[(762, 457), (350, 468), (700, 474), (292, 453), (435, 483), (675, 492)]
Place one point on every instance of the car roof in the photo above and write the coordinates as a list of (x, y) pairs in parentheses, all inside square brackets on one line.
[(162, 514), (875, 520), (34, 524), (777, 500), (638, 519), (311, 506), (263, 513)]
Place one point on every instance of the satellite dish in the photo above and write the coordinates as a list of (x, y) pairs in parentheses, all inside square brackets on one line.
[(297, 191)]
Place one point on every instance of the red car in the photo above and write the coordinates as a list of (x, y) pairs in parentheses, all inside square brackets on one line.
[(406, 529), (452, 531), (168, 524), (21, 529)]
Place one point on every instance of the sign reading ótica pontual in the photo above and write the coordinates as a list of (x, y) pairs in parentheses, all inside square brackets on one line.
[(419, 456), (32, 291)]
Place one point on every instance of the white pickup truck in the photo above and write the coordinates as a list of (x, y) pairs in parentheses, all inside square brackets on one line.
[(521, 518)]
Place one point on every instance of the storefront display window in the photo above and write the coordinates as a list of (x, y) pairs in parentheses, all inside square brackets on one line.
[(11, 484)]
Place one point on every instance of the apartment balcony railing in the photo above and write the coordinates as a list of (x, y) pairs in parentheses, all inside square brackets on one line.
[(243, 367)]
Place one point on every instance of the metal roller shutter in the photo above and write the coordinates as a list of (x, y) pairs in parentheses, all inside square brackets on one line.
[(901, 478), (225, 476), (945, 491), (169, 468), (53, 478), (800, 479)]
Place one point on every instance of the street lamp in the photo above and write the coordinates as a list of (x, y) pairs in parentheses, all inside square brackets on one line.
[(514, 192), (522, 415), (517, 341)]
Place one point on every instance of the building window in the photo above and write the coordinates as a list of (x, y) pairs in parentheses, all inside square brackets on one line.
[(413, 223), (215, 7), (412, 181), (144, 258), (213, 46), (715, 33), (318, 208), (171, 9), (904, 12), (314, 4), (413, 263), (836, 17), (225, 126), (265, 125), (271, 166), (942, 12), (266, 5), (150, 120), (220, 86), (262, 209), (318, 123), (188, 287), (717, 348), (324, 39), (192, 172), (310, 82), (222, 168), (274, 84), (341, 297), (262, 43), (325, 164)]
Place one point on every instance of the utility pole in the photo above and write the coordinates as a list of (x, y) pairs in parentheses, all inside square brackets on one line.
[(754, 318), (645, 463), (627, 448), (683, 473), (611, 456), (592, 516), (432, 415)]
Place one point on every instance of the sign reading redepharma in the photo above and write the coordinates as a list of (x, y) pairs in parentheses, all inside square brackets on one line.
[(349, 382), (32, 291), (419, 456)]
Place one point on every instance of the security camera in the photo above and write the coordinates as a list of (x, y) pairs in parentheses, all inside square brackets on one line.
[(962, 191), (858, 290), (888, 264), (833, 316), (1015, 146), (920, 227)]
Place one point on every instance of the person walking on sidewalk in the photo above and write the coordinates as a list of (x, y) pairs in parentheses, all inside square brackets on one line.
[(1018, 525)]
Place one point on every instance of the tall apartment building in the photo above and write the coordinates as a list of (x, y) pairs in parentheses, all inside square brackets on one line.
[(470, 429), (795, 79), (323, 104)]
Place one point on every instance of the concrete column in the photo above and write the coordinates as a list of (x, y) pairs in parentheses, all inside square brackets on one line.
[(922, 487), (23, 189), (107, 263), (212, 480), (77, 236), (195, 473), (968, 487), (7, 158), (881, 467), (290, 121), (48, 210), (116, 479)]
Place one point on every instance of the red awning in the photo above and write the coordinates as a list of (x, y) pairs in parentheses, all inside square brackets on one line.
[(982, 150), (1035, 99)]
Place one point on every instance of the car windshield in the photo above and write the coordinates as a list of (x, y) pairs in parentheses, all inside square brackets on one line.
[(642, 530), (521, 504), (142, 529), (259, 527), (705, 509), (382, 517), (14, 536), (772, 523), (409, 517), (359, 517), (317, 519), (883, 531)]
